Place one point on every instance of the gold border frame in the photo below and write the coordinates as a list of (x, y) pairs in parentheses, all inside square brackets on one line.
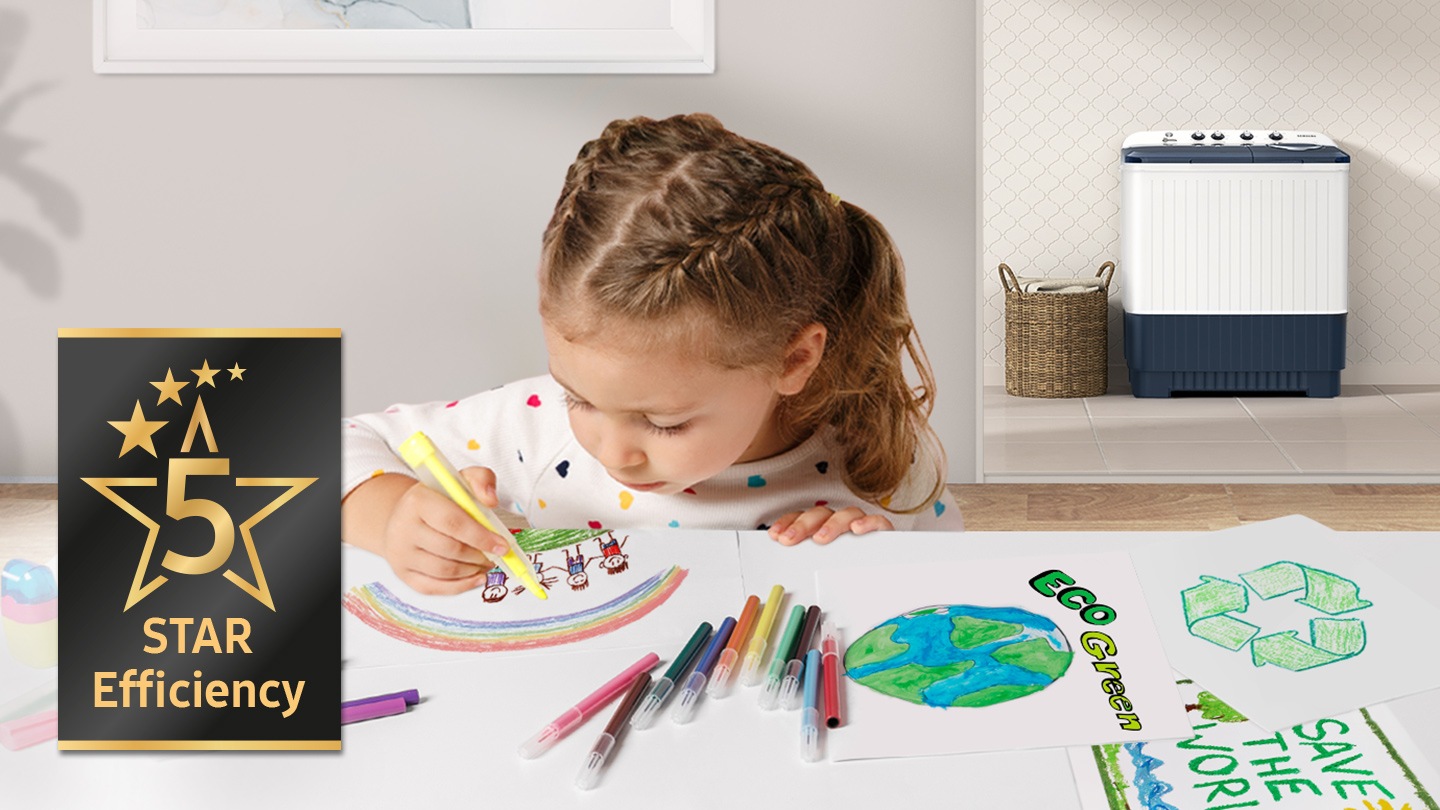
[(203, 333), (198, 745)]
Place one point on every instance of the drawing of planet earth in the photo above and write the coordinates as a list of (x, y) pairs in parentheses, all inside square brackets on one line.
[(960, 655)]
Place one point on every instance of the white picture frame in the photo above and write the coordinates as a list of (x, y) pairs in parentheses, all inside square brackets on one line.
[(685, 45)]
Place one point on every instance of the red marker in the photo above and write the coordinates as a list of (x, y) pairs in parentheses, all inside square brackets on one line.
[(830, 672)]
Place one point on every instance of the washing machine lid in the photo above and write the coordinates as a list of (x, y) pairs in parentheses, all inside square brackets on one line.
[(1257, 153)]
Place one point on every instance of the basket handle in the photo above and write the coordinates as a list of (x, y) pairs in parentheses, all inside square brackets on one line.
[(1007, 279), (1110, 266)]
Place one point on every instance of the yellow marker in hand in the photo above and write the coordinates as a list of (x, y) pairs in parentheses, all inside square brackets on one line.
[(420, 453)]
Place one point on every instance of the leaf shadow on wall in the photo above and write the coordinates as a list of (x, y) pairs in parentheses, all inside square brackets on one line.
[(25, 250)]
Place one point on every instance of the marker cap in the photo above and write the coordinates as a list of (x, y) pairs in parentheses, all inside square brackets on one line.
[(770, 695), (589, 775), (750, 671), (790, 696), (644, 716), (547, 736), (810, 735), (720, 683), (689, 699)]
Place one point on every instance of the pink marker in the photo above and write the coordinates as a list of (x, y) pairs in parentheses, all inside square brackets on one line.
[(575, 715), (29, 730)]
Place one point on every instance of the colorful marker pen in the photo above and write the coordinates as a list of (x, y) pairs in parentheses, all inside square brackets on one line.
[(810, 715), (690, 695), (592, 703), (720, 684), (790, 687), (830, 673), (770, 697), (435, 472), (645, 715), (590, 772), (755, 655)]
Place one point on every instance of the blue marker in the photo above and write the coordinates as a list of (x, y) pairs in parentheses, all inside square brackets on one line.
[(690, 695), (810, 714)]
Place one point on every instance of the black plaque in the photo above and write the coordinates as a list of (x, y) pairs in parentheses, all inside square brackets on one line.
[(199, 478)]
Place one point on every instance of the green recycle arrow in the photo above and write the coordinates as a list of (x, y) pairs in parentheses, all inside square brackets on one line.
[(1331, 640), (1326, 592), (1208, 605)]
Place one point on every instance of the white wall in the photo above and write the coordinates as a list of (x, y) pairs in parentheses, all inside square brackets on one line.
[(1066, 81), (407, 210)]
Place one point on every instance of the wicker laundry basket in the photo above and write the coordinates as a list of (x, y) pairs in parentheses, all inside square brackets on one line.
[(1056, 344)]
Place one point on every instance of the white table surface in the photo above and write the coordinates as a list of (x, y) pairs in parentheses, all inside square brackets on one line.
[(457, 748)]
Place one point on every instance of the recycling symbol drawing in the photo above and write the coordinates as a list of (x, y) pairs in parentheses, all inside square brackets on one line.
[(1211, 608)]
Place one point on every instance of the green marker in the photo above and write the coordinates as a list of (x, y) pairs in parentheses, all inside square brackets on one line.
[(645, 715), (770, 698)]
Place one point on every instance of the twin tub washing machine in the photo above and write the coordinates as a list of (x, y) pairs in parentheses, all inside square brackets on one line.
[(1234, 247)]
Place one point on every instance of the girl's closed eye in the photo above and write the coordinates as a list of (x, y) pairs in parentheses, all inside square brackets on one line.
[(667, 430), (573, 402)]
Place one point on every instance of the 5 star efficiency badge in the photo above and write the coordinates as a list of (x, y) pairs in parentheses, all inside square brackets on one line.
[(175, 633)]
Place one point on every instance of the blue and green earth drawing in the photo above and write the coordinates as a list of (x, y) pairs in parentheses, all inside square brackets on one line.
[(960, 655)]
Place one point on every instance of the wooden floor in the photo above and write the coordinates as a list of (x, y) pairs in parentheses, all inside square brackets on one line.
[(27, 516), (1195, 507)]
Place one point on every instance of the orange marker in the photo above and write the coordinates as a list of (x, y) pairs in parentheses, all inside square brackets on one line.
[(720, 683)]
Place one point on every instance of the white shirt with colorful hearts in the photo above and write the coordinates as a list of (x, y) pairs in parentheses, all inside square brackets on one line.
[(522, 432)]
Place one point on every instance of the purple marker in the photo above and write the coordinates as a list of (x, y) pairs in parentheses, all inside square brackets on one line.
[(370, 711), (410, 696)]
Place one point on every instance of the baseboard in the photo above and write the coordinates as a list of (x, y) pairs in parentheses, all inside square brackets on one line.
[(1359, 374), (28, 479)]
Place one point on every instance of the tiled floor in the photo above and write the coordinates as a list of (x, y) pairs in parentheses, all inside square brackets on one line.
[(1368, 433)]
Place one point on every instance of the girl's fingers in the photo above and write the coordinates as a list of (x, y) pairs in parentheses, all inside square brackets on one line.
[(837, 524), (871, 523), (482, 483), (423, 583), (805, 525), (446, 547), (783, 523), (444, 516)]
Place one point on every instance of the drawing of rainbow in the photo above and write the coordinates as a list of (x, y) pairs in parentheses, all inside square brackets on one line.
[(377, 606)]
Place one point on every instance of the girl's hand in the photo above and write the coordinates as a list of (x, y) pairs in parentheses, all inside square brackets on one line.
[(433, 545), (823, 524)]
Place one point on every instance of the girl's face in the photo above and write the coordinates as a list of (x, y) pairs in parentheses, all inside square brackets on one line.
[(661, 420)]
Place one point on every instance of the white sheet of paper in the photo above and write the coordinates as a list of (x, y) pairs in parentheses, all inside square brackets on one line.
[(1337, 762), (1313, 661), (457, 749), (711, 588), (1071, 709)]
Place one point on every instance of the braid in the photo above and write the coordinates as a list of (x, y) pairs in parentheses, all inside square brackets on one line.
[(680, 222)]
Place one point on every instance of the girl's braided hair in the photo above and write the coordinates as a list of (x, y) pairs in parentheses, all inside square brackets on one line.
[(735, 247)]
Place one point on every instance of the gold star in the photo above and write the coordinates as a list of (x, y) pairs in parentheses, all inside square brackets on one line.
[(138, 432), (169, 389), (236, 372), (206, 374)]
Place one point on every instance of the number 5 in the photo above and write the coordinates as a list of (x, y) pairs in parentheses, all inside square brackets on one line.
[(179, 507)]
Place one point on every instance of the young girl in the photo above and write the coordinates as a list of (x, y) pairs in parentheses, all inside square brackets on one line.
[(726, 341)]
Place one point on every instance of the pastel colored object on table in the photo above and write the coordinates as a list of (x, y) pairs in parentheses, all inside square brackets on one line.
[(28, 605), (28, 731)]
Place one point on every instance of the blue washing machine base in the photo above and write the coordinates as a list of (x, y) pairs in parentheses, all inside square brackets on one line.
[(1235, 353)]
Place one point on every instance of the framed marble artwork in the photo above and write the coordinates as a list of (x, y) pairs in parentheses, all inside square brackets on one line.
[(404, 36)]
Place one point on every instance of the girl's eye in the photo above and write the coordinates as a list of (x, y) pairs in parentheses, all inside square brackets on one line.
[(667, 430), (573, 403)]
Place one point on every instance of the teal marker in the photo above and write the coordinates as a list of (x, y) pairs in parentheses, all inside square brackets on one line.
[(770, 698), (645, 715)]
